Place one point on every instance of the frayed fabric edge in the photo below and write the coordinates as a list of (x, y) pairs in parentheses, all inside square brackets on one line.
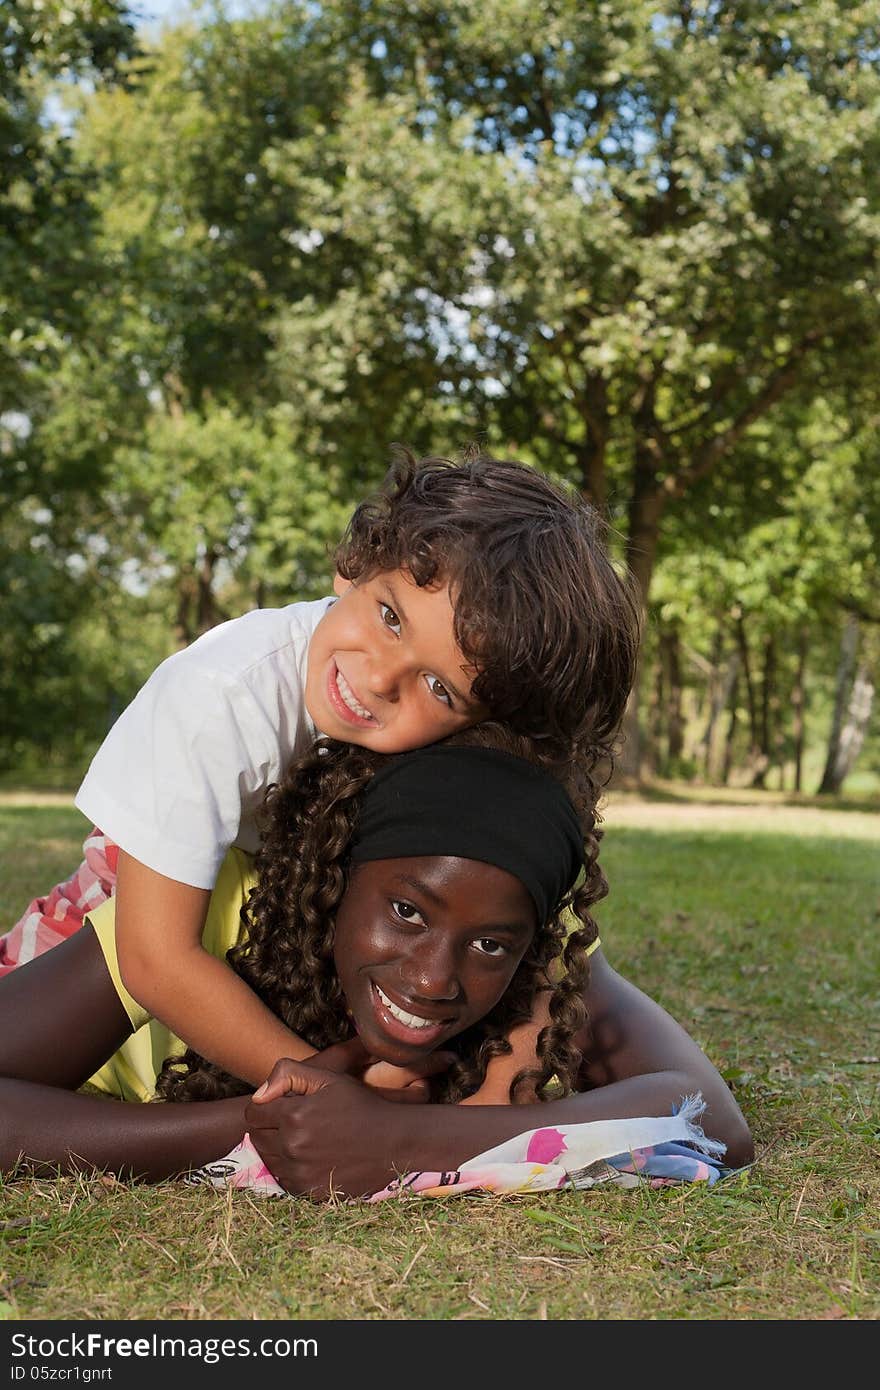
[(691, 1111)]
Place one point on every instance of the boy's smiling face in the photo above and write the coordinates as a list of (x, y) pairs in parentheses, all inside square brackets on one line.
[(384, 668)]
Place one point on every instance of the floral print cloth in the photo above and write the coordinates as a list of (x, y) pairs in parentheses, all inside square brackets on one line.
[(657, 1150)]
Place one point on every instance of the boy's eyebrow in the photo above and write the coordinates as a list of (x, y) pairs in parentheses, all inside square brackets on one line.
[(401, 613)]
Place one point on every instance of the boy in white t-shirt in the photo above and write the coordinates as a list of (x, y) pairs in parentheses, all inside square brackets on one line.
[(464, 592)]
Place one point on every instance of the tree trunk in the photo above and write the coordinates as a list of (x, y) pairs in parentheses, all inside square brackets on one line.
[(670, 646), (645, 511), (657, 711), (751, 697), (798, 701), (861, 703), (719, 698), (846, 662), (591, 454), (852, 735), (206, 608), (731, 728), (709, 695), (768, 702), (184, 630)]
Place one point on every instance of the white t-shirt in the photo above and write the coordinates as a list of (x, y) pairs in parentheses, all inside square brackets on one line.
[(182, 773)]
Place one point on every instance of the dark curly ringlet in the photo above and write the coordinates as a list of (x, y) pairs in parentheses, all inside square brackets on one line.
[(540, 610), (286, 955)]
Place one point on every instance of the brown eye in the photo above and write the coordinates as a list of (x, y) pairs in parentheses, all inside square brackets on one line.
[(405, 911), (389, 618), (488, 946), (439, 691)]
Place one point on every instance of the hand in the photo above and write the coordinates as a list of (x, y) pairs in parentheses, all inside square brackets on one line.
[(327, 1133), (407, 1085)]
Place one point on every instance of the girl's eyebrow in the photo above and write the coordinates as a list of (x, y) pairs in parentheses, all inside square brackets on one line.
[(401, 613), (422, 888), (514, 928)]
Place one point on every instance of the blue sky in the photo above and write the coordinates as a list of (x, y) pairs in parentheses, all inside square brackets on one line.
[(156, 12)]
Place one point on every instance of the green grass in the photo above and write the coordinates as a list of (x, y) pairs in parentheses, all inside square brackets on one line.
[(763, 941)]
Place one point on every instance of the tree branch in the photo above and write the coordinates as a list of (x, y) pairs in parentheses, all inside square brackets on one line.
[(850, 605), (780, 381)]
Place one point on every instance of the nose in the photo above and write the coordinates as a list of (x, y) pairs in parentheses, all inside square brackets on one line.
[(386, 674), (429, 972)]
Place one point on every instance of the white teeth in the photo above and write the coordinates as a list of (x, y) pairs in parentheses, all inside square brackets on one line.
[(345, 691), (408, 1020)]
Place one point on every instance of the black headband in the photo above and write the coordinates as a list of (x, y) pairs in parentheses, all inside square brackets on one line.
[(474, 803)]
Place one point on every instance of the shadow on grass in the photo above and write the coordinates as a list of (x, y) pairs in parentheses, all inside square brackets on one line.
[(697, 794)]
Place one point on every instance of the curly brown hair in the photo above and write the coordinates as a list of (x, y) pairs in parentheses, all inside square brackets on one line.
[(540, 610), (285, 953)]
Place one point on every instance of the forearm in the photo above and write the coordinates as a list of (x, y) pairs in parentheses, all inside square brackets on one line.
[(437, 1137), (205, 1003), (158, 929), (631, 1041), (55, 1130)]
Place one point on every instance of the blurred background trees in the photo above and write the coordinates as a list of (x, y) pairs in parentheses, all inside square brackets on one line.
[(635, 244)]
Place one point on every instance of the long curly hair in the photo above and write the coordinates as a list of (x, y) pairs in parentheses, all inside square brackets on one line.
[(285, 952)]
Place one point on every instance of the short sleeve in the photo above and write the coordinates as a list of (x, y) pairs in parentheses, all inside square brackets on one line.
[(172, 779), (183, 772)]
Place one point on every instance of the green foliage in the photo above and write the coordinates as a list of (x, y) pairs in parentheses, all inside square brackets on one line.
[(47, 217), (777, 568), (633, 243), (51, 274), (73, 648), (227, 513), (618, 234)]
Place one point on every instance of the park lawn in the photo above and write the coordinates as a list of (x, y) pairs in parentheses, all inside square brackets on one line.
[(762, 941)]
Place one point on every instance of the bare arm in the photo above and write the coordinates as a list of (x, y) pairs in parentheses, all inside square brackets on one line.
[(631, 1041), (638, 1061), (628, 1036), (159, 924), (60, 1019)]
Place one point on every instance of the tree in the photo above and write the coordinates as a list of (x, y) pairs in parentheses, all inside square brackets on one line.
[(50, 272), (223, 514), (769, 587), (619, 235), (627, 242), (46, 213)]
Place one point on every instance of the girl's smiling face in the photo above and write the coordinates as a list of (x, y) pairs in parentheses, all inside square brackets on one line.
[(425, 947)]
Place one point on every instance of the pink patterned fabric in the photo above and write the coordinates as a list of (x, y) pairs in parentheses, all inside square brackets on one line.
[(54, 918), (652, 1150), (544, 1146)]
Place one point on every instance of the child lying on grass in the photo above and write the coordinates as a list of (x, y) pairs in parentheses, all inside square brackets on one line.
[(408, 908)]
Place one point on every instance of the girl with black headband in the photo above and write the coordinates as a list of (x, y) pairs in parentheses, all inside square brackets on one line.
[(405, 911)]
